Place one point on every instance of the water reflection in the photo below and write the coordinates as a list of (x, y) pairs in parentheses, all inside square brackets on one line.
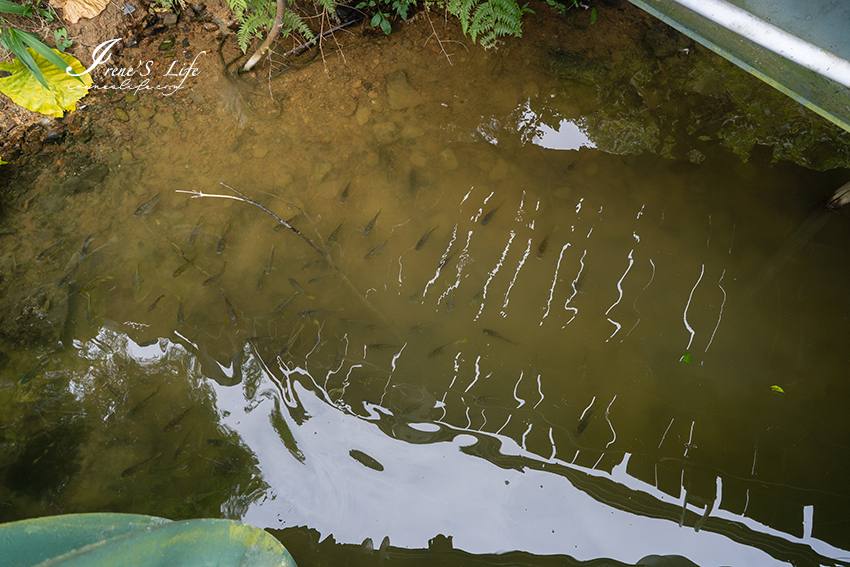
[(470, 334)]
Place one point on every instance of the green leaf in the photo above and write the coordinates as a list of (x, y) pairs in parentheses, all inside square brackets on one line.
[(7, 7), (593, 16), (776, 388), (55, 93), (112, 540), (3, 162), (686, 358), (385, 25)]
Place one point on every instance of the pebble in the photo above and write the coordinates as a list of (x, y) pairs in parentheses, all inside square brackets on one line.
[(121, 115)]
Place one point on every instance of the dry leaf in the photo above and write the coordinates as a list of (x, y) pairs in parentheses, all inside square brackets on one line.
[(76, 9)]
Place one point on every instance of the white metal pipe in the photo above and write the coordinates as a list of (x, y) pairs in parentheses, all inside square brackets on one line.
[(773, 38)]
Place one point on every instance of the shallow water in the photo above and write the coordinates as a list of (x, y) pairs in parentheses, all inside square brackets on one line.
[(581, 359)]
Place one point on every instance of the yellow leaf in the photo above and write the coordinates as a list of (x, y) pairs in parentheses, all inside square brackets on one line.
[(63, 90), (76, 9), (776, 388)]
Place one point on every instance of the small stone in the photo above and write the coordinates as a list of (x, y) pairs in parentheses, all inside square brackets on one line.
[(130, 98), (372, 94), (409, 132), (167, 44), (165, 120), (126, 156), (260, 152), (356, 84), (52, 137), (197, 98), (385, 132), (400, 94), (363, 114), (169, 19), (418, 159), (121, 115), (210, 27), (146, 112)]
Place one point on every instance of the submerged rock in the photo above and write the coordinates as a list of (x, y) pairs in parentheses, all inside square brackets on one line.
[(401, 95)]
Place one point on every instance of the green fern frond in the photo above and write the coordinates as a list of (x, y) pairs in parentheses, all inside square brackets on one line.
[(292, 22), (487, 21)]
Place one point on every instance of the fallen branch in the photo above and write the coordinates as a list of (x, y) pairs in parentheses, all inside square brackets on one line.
[(196, 194)]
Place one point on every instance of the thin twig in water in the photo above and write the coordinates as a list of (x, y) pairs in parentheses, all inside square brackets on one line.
[(442, 47), (196, 194)]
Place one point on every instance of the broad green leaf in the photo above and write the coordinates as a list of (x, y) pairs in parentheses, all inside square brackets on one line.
[(776, 388), (7, 7), (593, 16), (61, 92), (112, 540), (686, 357), (3, 162)]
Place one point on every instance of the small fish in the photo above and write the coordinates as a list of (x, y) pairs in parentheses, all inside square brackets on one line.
[(489, 216), (450, 302), (89, 286), (230, 312), (290, 342), (138, 466), (180, 316), (176, 421), (340, 352), (261, 281), (287, 302), (47, 252), (148, 343), (223, 465), (269, 262), (376, 250), (308, 264), (300, 289), (582, 374), (477, 298), (138, 407), (447, 259), (35, 369), (496, 335), (344, 196), (380, 346), (223, 240), (310, 313), (582, 425), (69, 277), (196, 231), (415, 298), (422, 327), (572, 166), (424, 239), (212, 279), (371, 225), (153, 305), (137, 280), (183, 444), (84, 250), (182, 268), (334, 235), (319, 279), (147, 206), (543, 245), (439, 350)]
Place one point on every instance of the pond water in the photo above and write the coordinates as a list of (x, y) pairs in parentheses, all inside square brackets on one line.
[(479, 321)]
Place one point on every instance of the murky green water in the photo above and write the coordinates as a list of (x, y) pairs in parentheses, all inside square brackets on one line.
[(559, 352)]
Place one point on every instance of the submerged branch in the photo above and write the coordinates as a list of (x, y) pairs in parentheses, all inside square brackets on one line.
[(273, 33), (196, 194)]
